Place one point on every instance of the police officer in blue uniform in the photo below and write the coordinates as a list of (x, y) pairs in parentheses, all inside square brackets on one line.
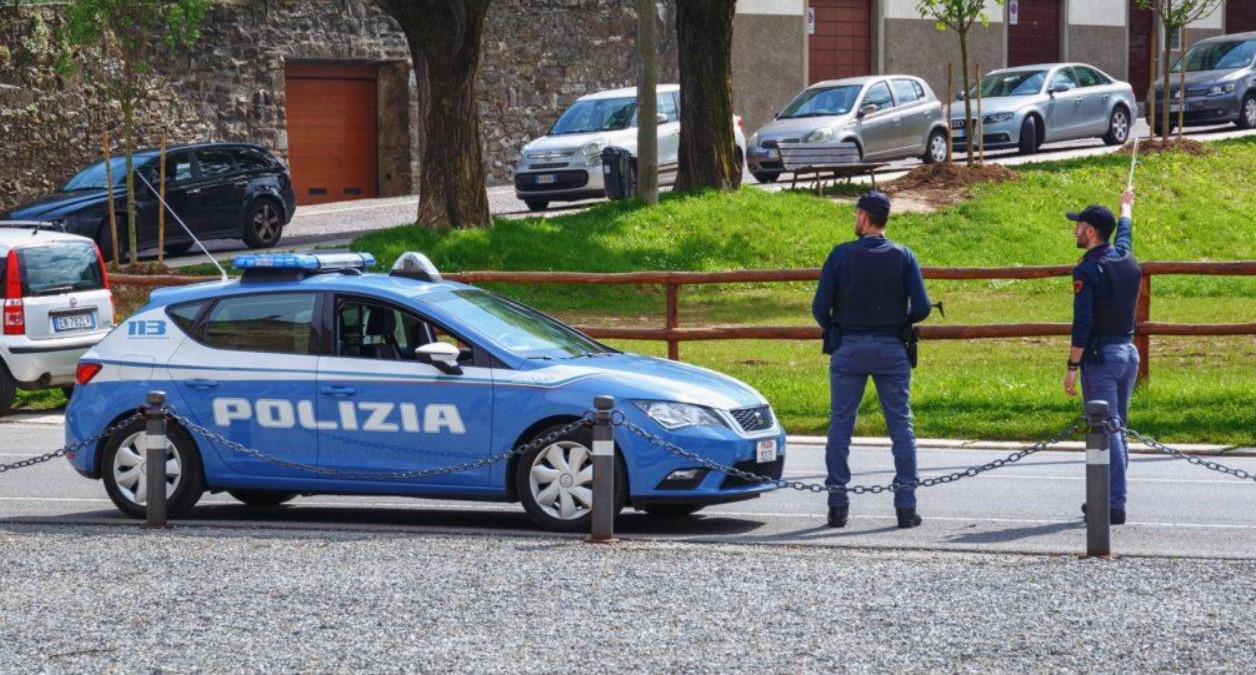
[(1105, 291), (870, 294)]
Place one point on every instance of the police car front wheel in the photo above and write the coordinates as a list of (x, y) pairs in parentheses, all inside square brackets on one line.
[(555, 483), (126, 471)]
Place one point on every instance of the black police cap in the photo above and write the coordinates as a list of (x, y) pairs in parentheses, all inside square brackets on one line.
[(875, 203), (1098, 217)]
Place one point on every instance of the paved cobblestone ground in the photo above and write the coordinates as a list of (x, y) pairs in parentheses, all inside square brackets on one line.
[(125, 600)]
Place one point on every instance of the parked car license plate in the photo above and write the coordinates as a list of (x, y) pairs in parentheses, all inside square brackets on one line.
[(765, 451), (81, 321), (545, 179)]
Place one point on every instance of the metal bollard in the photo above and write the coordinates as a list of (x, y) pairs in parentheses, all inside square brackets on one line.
[(603, 530), (1097, 475), (155, 460)]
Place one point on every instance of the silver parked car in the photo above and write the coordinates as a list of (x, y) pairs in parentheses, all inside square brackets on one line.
[(1027, 106), (566, 164), (1220, 82), (887, 116)]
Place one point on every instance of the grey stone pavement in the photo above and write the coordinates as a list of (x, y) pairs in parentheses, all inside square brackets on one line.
[(335, 225)]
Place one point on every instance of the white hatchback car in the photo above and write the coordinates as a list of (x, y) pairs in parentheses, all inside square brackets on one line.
[(57, 305), (566, 164)]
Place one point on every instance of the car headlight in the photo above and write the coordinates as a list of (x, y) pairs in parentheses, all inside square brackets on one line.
[(1221, 89), (995, 118), (819, 136), (592, 148), (679, 415)]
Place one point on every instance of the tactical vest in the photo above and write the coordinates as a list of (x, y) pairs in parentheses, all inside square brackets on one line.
[(876, 294), (1114, 309)]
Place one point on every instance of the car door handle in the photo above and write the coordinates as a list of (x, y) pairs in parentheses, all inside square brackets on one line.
[(241, 183), (1107, 96), (194, 191), (198, 383), (338, 391)]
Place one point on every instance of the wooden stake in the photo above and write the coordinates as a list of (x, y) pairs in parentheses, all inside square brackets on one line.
[(981, 124), (161, 206), (950, 96), (113, 218)]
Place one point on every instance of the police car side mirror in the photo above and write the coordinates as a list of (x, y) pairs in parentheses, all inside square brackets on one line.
[(442, 355)]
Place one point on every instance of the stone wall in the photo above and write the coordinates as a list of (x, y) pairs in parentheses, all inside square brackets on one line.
[(537, 57)]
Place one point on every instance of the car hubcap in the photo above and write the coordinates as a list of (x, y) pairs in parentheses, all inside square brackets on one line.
[(938, 148), (561, 480), (266, 223), (1120, 126), (131, 474)]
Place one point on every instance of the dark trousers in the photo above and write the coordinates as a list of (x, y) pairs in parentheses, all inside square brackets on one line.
[(885, 360), (1113, 381)]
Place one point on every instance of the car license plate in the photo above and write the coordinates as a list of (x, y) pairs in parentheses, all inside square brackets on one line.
[(958, 125), (765, 451), (545, 179), (73, 322)]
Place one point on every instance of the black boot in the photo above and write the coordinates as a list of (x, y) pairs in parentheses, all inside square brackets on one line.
[(1115, 516), (837, 515), (908, 518)]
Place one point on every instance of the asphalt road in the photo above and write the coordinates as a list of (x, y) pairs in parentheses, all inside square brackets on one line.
[(1032, 507), (331, 225)]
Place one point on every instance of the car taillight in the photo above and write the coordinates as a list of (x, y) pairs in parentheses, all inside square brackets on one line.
[(86, 371), (100, 259), (14, 310)]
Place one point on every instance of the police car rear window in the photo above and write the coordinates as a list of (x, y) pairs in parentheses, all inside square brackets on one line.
[(278, 323), (185, 315), (59, 268)]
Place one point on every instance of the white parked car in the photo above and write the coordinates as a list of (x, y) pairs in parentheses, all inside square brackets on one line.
[(57, 305), (566, 164)]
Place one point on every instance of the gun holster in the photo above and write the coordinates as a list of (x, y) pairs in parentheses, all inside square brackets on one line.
[(911, 340)]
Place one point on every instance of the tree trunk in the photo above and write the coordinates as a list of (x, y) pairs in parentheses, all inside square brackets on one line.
[(444, 39), (704, 36), (1153, 49), (647, 102), (968, 101)]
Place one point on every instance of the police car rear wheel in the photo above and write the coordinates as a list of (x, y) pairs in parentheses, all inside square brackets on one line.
[(126, 475), (555, 483), (261, 498)]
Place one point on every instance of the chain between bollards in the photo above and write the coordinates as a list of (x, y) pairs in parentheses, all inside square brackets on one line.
[(603, 521), (155, 460), (1098, 469)]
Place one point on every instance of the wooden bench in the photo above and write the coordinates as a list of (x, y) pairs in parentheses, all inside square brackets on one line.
[(821, 161)]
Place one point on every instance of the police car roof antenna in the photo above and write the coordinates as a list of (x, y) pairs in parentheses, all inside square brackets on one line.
[(222, 272)]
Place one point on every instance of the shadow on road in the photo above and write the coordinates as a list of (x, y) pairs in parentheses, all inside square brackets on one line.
[(1014, 533)]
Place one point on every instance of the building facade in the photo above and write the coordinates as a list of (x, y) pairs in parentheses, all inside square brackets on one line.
[(326, 85)]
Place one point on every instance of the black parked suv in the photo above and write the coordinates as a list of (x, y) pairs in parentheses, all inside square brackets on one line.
[(220, 190)]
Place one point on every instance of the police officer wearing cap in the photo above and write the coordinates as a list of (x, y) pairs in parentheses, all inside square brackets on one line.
[(1105, 291), (870, 291)]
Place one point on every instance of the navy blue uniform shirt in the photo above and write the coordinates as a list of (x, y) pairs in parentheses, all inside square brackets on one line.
[(836, 273), (1086, 286)]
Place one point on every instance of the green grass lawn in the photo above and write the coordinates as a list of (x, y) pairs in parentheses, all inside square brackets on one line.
[(1189, 208)]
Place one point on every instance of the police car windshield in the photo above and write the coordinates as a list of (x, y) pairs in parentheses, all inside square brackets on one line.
[(516, 328)]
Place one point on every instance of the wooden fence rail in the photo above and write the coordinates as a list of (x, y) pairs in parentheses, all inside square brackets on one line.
[(673, 334)]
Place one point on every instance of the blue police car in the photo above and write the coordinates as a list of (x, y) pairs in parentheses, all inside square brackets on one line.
[(310, 360)]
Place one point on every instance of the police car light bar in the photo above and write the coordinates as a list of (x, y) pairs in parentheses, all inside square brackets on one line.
[(415, 265), (308, 262)]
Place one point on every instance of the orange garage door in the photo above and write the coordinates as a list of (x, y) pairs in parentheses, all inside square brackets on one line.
[(332, 134), (842, 43)]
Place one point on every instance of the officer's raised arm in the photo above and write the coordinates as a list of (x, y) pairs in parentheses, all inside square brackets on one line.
[(1124, 239)]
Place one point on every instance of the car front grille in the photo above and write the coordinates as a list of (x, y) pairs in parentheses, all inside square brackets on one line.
[(563, 180), (777, 143), (758, 418), (541, 167), (769, 471)]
